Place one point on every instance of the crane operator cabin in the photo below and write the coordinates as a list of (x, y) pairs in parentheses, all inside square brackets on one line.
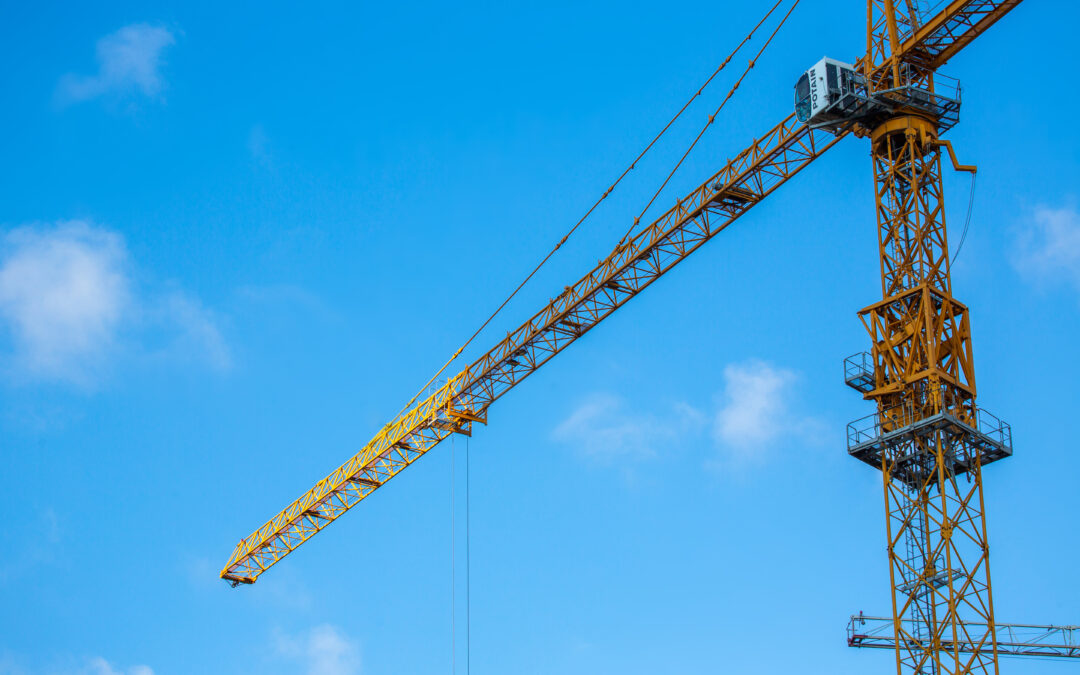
[(827, 94)]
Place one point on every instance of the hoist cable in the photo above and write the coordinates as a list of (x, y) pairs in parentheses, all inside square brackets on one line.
[(453, 563), (468, 569), (712, 118), (604, 196), (967, 221), (453, 568)]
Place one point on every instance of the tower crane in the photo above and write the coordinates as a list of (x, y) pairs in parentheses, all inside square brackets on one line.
[(927, 436)]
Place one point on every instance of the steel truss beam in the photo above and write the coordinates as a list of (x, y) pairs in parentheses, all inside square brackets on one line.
[(742, 183), (922, 44), (753, 175), (1013, 639)]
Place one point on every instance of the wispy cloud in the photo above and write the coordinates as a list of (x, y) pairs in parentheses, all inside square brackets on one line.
[(67, 300), (63, 293), (9, 665), (99, 666), (288, 295), (322, 650), (1048, 246), (197, 329), (42, 548), (12, 664), (605, 431), (258, 144), (129, 61), (754, 411)]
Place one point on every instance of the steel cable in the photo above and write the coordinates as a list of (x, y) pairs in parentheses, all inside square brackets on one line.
[(604, 196), (453, 567), (468, 569), (712, 118), (967, 221)]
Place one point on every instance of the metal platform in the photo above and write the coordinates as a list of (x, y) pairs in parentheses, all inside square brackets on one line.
[(859, 372), (859, 107), (1012, 639), (985, 437)]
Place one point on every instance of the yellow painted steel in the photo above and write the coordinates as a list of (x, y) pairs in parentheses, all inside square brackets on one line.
[(957, 166), (939, 560), (751, 176), (1013, 639), (632, 266)]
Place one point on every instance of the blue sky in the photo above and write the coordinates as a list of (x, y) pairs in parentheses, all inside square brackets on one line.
[(234, 240)]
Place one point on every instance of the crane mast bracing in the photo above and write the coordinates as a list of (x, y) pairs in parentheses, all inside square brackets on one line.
[(928, 437)]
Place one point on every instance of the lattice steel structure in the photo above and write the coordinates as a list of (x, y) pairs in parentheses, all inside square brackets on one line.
[(744, 181), (1013, 639), (928, 437)]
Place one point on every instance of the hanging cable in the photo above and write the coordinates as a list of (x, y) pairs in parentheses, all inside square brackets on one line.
[(712, 118), (468, 570), (453, 570), (604, 196), (967, 221)]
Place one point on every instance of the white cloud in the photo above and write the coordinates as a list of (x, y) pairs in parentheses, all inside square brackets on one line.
[(757, 410), (754, 408), (198, 329), (754, 411), (129, 60), (99, 666), (69, 304), (1048, 248), (604, 431), (322, 650), (63, 293)]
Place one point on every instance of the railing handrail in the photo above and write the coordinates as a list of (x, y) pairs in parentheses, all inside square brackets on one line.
[(870, 426)]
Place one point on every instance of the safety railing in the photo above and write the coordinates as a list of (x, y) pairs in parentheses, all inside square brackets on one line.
[(876, 425), (859, 372)]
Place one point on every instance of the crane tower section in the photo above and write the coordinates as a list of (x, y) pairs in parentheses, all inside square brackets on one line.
[(928, 437)]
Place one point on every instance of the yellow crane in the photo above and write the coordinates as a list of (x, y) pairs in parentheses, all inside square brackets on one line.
[(928, 437)]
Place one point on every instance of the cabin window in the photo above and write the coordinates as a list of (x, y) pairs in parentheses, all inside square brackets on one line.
[(802, 98)]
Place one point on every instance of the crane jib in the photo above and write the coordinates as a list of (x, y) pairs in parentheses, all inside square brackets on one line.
[(697, 217), (747, 179)]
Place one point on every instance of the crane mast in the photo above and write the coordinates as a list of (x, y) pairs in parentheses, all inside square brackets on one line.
[(928, 437)]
